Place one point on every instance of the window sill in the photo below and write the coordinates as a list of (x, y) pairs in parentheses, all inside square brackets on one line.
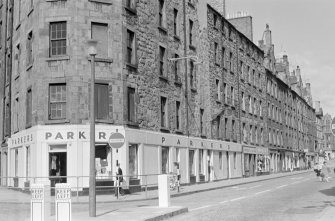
[(192, 47), (30, 11), (176, 37), (131, 10), (163, 78), (29, 125), (191, 4), (132, 124), (18, 26), (29, 66), (57, 121), (103, 60), (194, 90), (104, 121), (162, 29), (218, 101), (17, 76), (131, 66), (165, 130), (59, 58), (178, 83), (177, 131), (107, 2)]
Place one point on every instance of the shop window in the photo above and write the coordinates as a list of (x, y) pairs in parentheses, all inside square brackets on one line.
[(103, 161), (133, 160), (28, 162), (191, 162), (235, 160), (201, 161), (177, 155), (165, 160), (16, 167), (220, 160)]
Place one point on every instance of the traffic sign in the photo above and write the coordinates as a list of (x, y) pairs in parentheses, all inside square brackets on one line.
[(333, 126), (116, 140)]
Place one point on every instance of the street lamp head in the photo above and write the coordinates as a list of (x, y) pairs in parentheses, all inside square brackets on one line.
[(92, 47)]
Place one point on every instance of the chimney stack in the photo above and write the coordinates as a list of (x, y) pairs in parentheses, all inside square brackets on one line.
[(298, 73), (267, 36)]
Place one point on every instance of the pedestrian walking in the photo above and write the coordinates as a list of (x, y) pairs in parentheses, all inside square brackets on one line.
[(324, 172), (119, 180), (317, 170)]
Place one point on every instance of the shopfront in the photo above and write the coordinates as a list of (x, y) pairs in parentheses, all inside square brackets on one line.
[(256, 161), (60, 153)]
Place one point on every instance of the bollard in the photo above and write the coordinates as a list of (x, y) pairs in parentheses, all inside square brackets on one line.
[(37, 204), (63, 202), (163, 190)]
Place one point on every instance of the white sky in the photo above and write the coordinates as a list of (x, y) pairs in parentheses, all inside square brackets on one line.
[(305, 30)]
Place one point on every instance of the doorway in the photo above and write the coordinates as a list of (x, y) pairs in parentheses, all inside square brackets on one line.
[(57, 167)]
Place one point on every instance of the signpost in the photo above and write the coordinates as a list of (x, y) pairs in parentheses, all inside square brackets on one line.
[(116, 140)]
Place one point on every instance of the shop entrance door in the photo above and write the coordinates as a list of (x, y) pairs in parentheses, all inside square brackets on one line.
[(57, 167)]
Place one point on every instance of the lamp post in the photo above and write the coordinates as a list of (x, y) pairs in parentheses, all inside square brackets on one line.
[(92, 51)]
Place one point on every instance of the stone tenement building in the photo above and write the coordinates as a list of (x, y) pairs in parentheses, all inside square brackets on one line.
[(291, 119), (176, 79)]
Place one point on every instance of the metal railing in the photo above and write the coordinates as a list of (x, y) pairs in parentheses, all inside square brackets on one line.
[(138, 186)]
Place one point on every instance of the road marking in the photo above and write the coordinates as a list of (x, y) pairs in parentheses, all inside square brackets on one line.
[(240, 198), (222, 202), (235, 187), (203, 207), (254, 186), (278, 187), (262, 192)]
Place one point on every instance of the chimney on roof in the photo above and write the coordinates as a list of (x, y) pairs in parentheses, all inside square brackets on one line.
[(298, 73), (285, 58), (317, 105), (267, 36)]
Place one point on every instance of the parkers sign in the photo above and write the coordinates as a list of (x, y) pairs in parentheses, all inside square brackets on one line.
[(74, 135)]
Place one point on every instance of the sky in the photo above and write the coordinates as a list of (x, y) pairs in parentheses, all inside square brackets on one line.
[(305, 31)]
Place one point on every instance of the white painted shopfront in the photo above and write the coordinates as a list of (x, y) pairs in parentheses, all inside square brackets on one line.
[(63, 150)]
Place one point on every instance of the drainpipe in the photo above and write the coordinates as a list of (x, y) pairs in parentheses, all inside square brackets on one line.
[(239, 105)]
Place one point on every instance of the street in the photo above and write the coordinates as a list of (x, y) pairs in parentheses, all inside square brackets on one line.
[(301, 197), (297, 197)]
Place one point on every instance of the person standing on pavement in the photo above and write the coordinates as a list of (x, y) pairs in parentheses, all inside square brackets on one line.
[(119, 178), (324, 172)]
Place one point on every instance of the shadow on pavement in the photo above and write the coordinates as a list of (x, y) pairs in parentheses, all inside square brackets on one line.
[(329, 192)]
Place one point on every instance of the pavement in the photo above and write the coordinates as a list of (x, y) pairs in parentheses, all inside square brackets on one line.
[(152, 213)]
